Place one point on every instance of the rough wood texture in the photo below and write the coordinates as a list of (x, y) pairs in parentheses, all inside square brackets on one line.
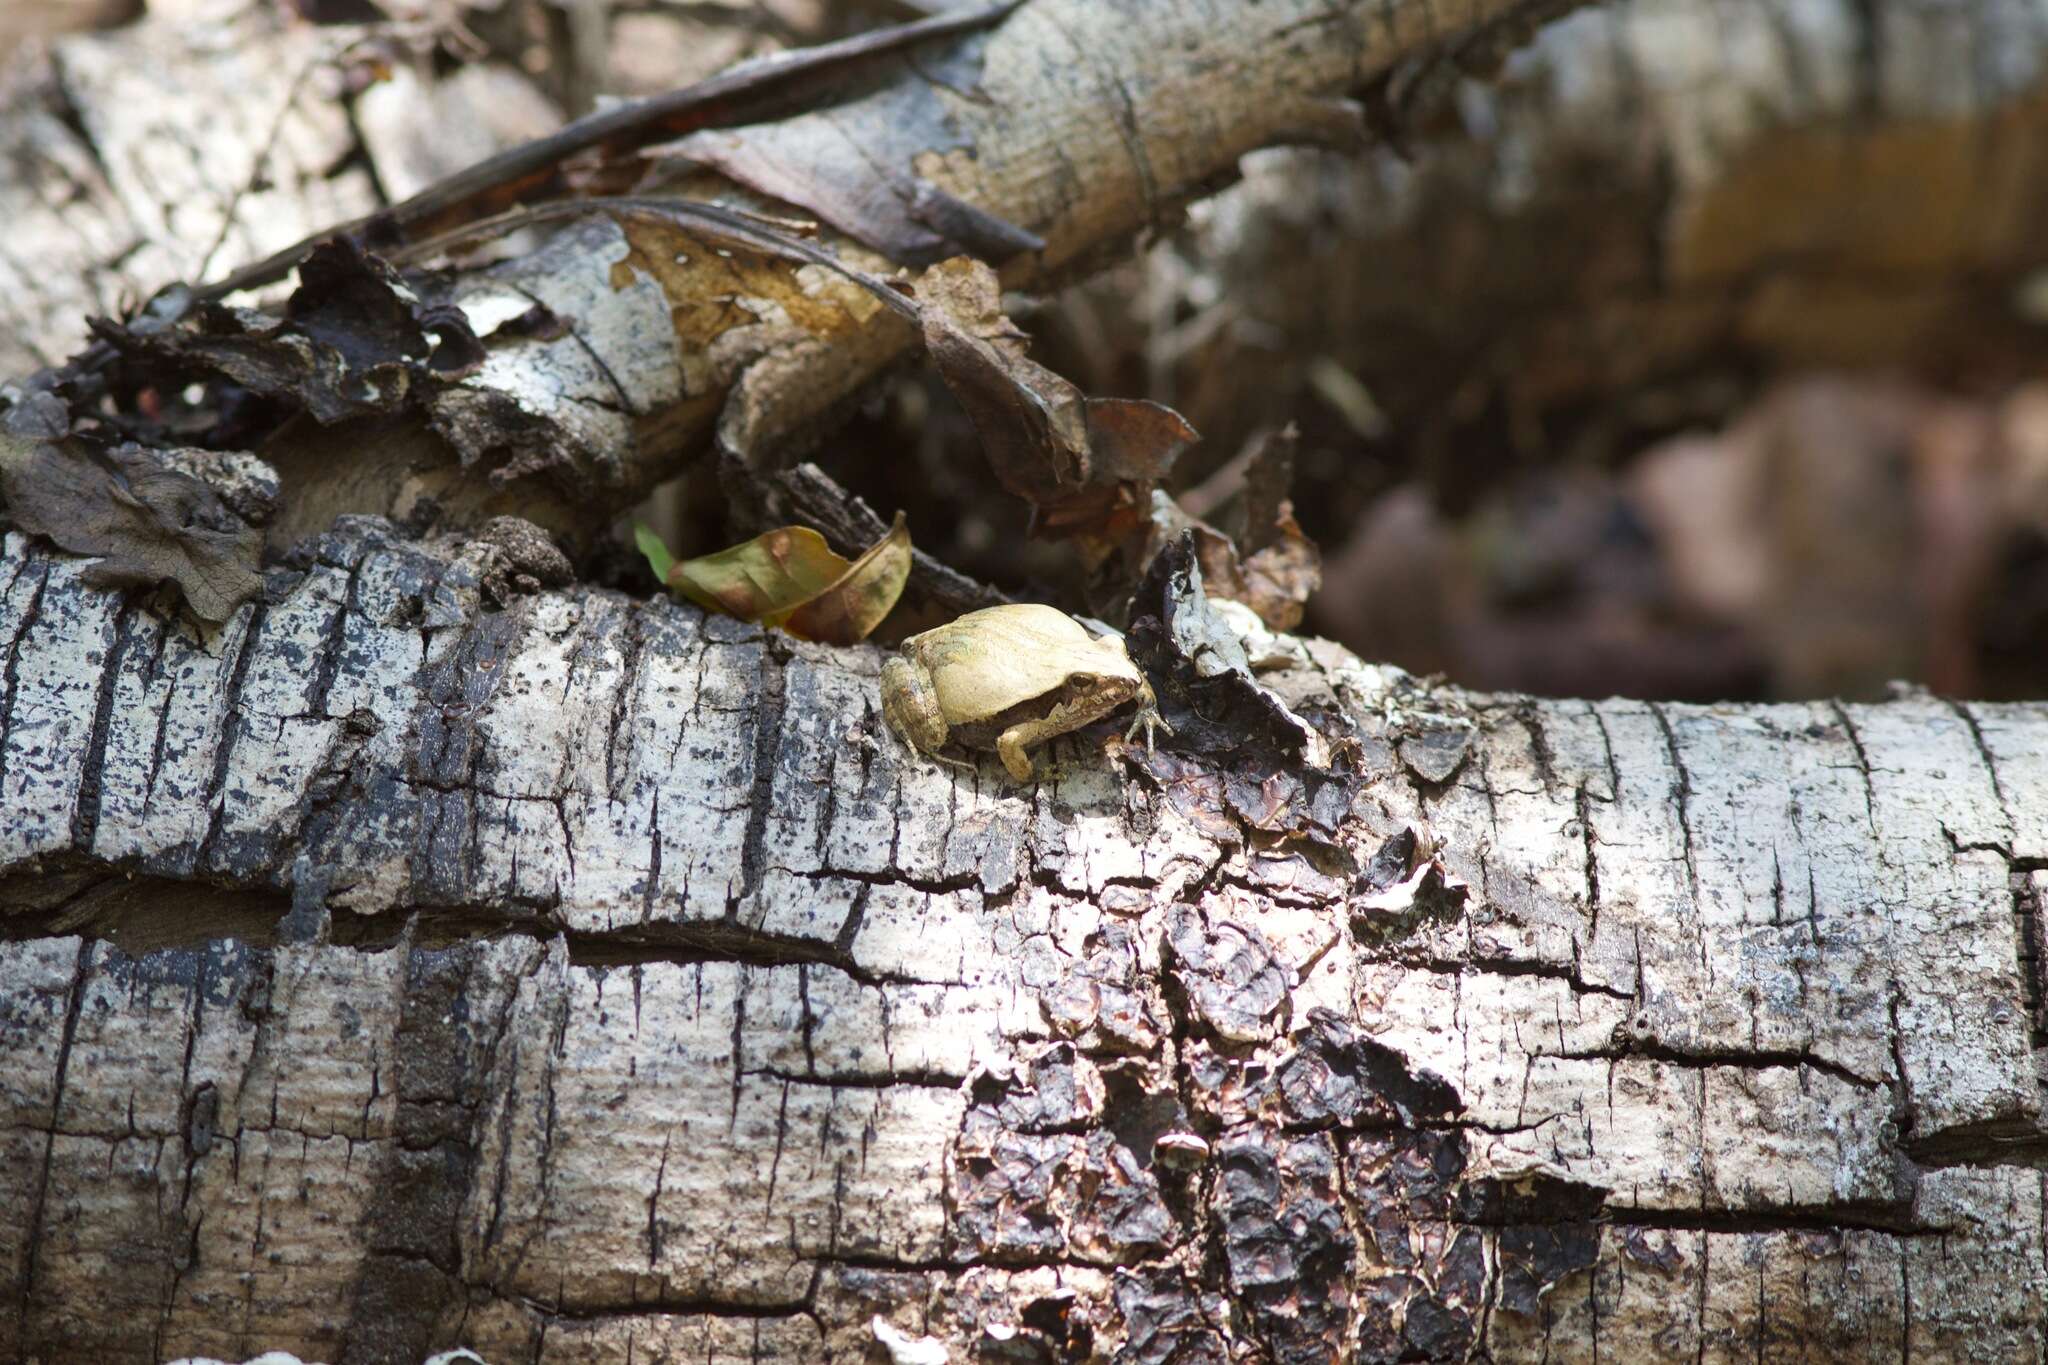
[(577, 977), (389, 972)]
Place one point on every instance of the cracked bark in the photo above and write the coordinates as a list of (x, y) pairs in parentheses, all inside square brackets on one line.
[(1030, 1070), (388, 970)]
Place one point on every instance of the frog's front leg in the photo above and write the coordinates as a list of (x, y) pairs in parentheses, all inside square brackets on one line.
[(1067, 716), (1148, 718), (1010, 743)]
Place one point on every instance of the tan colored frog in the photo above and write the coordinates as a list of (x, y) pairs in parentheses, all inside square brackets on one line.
[(1008, 677)]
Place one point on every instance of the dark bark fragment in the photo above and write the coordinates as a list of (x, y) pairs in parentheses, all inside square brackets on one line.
[(1332, 1076), (412, 1277), (1021, 1197), (1425, 1295), (1230, 974), (1435, 754), (354, 341), (1100, 1004), (1535, 1256), (1166, 1322), (1254, 748), (1285, 1243)]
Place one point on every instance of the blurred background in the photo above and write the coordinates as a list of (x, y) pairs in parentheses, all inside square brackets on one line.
[(1688, 351)]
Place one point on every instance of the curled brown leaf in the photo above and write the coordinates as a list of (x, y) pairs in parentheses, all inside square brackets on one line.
[(790, 577), (851, 608), (1086, 465), (763, 579)]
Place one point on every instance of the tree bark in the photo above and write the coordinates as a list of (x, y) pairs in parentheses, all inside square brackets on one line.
[(1082, 125), (389, 972), (572, 976)]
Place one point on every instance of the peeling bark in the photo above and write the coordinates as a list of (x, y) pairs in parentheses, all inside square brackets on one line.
[(389, 971)]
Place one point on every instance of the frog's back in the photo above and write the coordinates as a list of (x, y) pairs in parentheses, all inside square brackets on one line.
[(990, 660)]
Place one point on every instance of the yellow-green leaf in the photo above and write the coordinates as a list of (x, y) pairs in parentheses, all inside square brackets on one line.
[(790, 577), (652, 545), (763, 579), (852, 607)]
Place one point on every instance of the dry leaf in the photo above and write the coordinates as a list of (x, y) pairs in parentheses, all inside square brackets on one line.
[(149, 523), (851, 608), (355, 340), (1086, 465), (763, 579), (790, 577), (1274, 581), (1266, 561)]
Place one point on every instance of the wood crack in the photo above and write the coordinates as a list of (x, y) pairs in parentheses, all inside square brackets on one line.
[(32, 1243), (85, 814), (1754, 1059), (768, 721), (232, 726)]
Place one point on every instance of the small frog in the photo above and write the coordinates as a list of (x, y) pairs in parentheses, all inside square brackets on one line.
[(1007, 677)]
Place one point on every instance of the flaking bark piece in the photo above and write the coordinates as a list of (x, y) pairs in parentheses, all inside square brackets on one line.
[(1086, 465), (1435, 753), (1326, 1074), (1339, 1075), (1403, 886), (147, 522), (1290, 1255), (1422, 1293), (1534, 1257), (1169, 1320), (509, 557), (1277, 774), (1230, 974), (1275, 582), (354, 340)]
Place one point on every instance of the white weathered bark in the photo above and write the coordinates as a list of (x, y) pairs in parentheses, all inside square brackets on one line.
[(390, 969), (388, 972)]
